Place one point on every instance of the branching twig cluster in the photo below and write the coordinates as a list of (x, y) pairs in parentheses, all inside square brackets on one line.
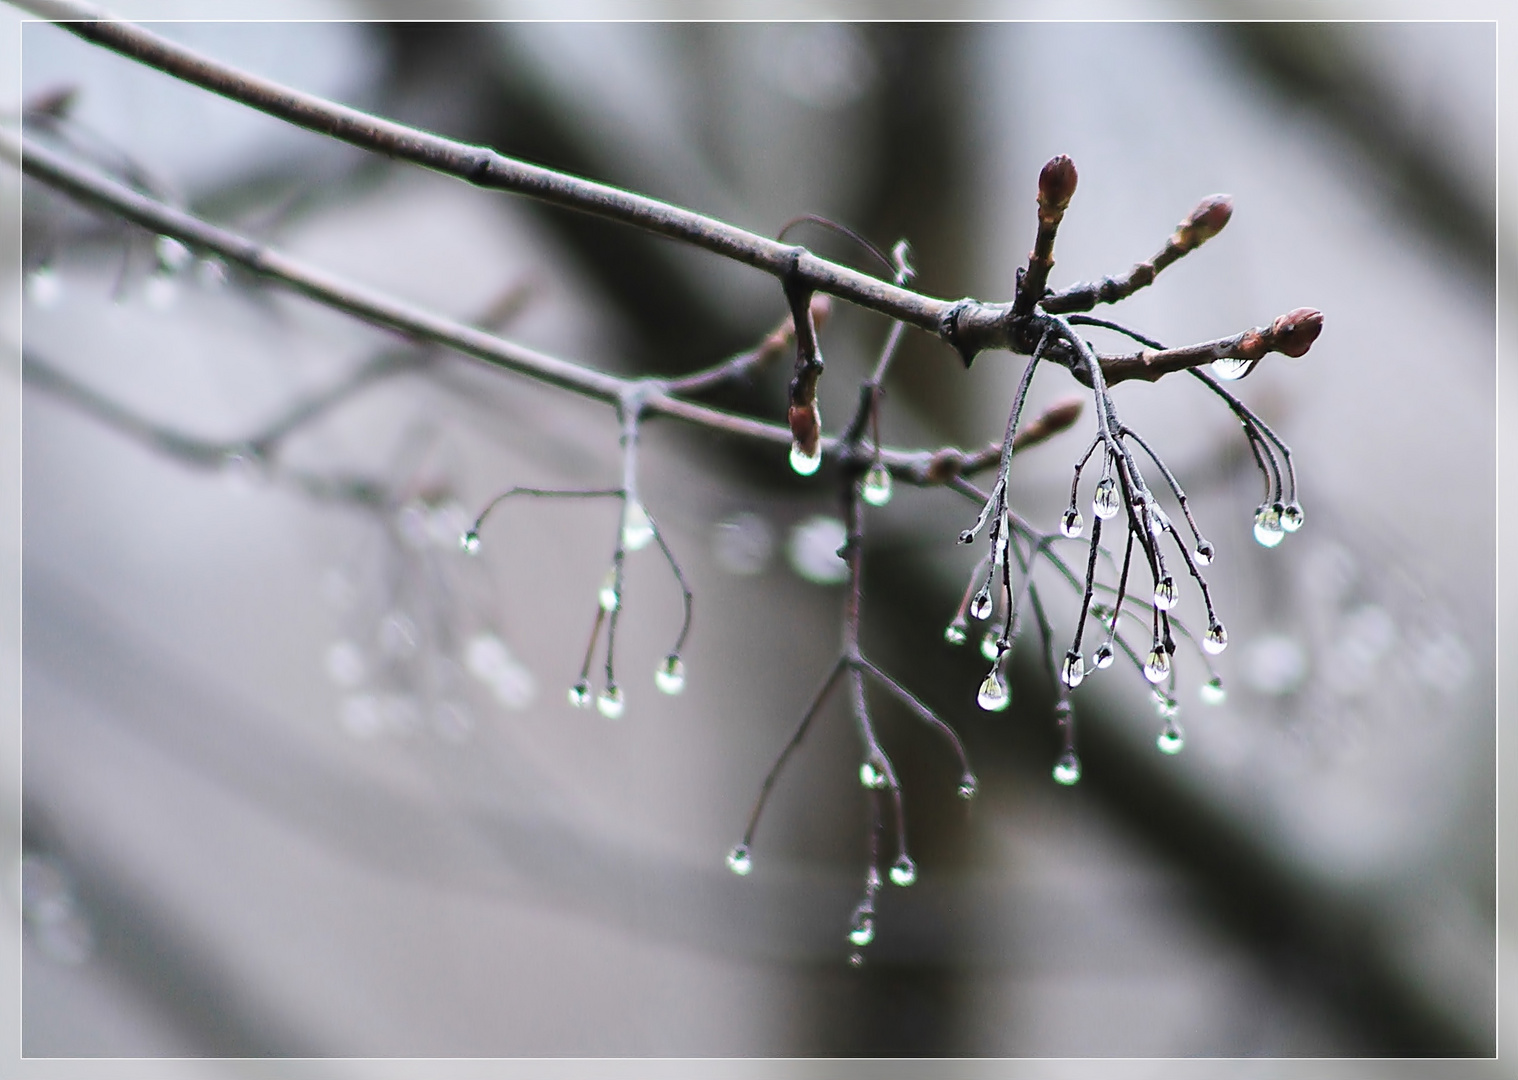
[(1038, 323)]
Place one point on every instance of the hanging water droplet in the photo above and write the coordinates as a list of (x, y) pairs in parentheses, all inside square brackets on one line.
[(1229, 369), (1159, 521), (956, 633), (1067, 770), (1105, 501), (44, 287), (670, 675), (876, 488), (862, 932), (1267, 526), (470, 542), (579, 694), (803, 463), (990, 645), (1171, 740), (739, 861), (1073, 671), (1216, 639), (966, 537), (1205, 553), (994, 695), (871, 777), (1164, 594), (968, 785), (1291, 517), (903, 871), (611, 704), (1157, 667), (173, 256), (1102, 658), (980, 607), (1072, 524), (608, 595), (637, 529), (1212, 691), (1165, 705)]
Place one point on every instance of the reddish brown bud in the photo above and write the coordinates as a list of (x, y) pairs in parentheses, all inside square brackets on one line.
[(1294, 332), (1056, 184), (806, 427), (1207, 220)]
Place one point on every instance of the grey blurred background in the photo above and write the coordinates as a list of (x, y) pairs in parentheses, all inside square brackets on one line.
[(269, 807)]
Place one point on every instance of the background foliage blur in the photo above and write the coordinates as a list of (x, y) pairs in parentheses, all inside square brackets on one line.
[(276, 802)]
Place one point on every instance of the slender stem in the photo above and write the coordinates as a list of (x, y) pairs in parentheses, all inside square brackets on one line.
[(801, 729)]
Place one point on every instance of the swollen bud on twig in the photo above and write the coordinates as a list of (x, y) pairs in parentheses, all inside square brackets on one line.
[(1294, 332), (1056, 186), (1203, 223)]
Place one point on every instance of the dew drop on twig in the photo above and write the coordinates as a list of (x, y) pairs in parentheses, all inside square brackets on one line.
[(876, 488), (1067, 770), (994, 695), (739, 861), (637, 529), (670, 675)]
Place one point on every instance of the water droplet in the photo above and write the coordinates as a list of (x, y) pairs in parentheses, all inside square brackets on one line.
[(739, 861), (990, 645), (956, 632), (611, 704), (1073, 671), (1103, 657), (1072, 524), (1267, 526), (967, 787), (856, 959), (1216, 639), (804, 464), (1159, 521), (608, 594), (470, 542), (637, 529), (1157, 667), (1171, 740), (1164, 594), (579, 694), (44, 287), (994, 695), (877, 485), (1212, 692), (813, 550), (1205, 553), (1067, 770), (1291, 517), (871, 777), (1230, 369), (173, 256), (903, 871), (863, 930), (1105, 501), (966, 537), (670, 675), (1165, 705), (980, 607)]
